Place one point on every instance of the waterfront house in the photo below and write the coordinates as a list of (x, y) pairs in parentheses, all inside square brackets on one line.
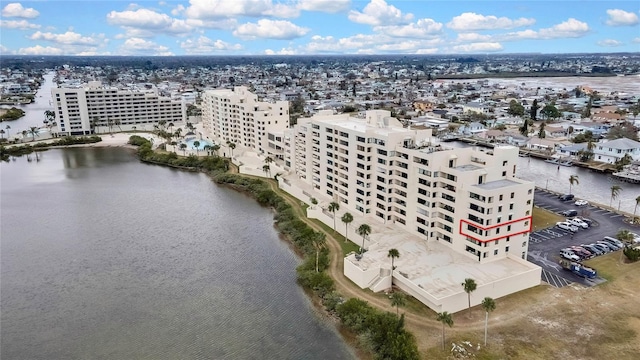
[(472, 129), (612, 150)]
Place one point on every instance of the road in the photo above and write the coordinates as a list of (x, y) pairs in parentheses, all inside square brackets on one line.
[(545, 244)]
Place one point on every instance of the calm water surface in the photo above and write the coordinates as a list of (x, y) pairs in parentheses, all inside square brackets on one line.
[(103, 257)]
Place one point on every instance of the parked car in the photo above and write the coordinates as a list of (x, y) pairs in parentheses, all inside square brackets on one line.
[(636, 238), (579, 223), (569, 213), (581, 252), (594, 250), (614, 241), (567, 226), (611, 246), (566, 197), (581, 203), (587, 220), (605, 249), (569, 255)]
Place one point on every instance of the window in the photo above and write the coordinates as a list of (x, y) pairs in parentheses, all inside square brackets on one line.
[(504, 173), (495, 252), (504, 163), (510, 206), (513, 195), (506, 249), (500, 198)]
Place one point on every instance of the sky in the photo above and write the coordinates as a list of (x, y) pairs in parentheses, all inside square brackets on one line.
[(324, 27)]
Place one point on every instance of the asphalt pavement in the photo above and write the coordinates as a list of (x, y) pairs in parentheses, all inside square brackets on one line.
[(545, 244)]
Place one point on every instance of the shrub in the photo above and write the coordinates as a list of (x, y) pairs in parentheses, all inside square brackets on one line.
[(632, 254)]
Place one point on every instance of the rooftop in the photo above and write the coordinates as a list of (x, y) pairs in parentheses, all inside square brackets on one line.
[(491, 185)]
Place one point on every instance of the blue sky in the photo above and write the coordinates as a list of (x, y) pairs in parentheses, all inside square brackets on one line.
[(303, 27)]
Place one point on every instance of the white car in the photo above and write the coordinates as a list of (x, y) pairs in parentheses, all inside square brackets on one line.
[(581, 203), (567, 226), (569, 255), (579, 223), (636, 238)]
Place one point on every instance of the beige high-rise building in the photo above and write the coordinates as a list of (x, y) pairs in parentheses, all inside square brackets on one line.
[(466, 198), (236, 115), (80, 110)]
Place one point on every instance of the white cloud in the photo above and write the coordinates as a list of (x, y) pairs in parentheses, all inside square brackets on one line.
[(427, 51), (420, 29), (204, 45), (18, 24), (609, 43), (378, 13), (472, 37), (5, 50), (137, 46), (471, 22), (40, 50), (16, 10), (68, 38), (619, 17), (478, 47), (369, 43), (220, 9), (143, 21), (270, 29), (636, 40), (571, 28), (283, 51), (222, 24), (329, 6)]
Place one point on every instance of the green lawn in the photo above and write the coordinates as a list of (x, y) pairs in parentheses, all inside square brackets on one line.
[(543, 219), (347, 246)]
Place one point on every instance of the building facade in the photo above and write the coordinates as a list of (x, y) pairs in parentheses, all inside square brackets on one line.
[(79, 111), (237, 116), (465, 198)]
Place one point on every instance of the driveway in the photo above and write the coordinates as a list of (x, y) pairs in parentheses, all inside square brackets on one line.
[(545, 244)]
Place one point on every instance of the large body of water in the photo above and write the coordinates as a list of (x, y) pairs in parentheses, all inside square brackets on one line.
[(103, 257)]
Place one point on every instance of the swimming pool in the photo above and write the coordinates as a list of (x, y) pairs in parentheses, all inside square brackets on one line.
[(203, 143)]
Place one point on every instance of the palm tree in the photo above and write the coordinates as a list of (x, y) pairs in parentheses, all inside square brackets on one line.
[(393, 254), (333, 207), (33, 131), (615, 191), (444, 318), (573, 179), (196, 145), (398, 299), (363, 230), (636, 207), (207, 148), (178, 132), (8, 128), (93, 124), (266, 169), (469, 286), (268, 160), (169, 126), (231, 146), (488, 304), (347, 218), (183, 147), (215, 148), (319, 240), (2, 136)]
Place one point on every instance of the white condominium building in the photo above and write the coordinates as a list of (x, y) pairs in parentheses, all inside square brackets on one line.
[(235, 115), (467, 199), (80, 110)]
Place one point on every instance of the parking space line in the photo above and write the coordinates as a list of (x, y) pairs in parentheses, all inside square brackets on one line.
[(614, 216)]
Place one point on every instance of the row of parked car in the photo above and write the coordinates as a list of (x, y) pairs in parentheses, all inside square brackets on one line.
[(586, 251), (574, 224)]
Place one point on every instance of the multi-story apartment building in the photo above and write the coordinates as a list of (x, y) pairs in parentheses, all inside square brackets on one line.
[(236, 115), (467, 199), (80, 110)]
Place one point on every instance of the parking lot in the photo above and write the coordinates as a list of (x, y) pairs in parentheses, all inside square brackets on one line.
[(545, 244)]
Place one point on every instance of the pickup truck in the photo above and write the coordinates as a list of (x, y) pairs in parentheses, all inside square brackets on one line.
[(578, 269)]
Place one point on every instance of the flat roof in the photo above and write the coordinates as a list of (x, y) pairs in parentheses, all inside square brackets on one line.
[(468, 167), (491, 185), (431, 265)]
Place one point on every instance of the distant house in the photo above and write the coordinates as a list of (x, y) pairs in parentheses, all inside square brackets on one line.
[(472, 129), (475, 107), (612, 150), (572, 150)]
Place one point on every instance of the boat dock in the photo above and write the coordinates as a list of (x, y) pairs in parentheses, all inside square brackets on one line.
[(630, 174)]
